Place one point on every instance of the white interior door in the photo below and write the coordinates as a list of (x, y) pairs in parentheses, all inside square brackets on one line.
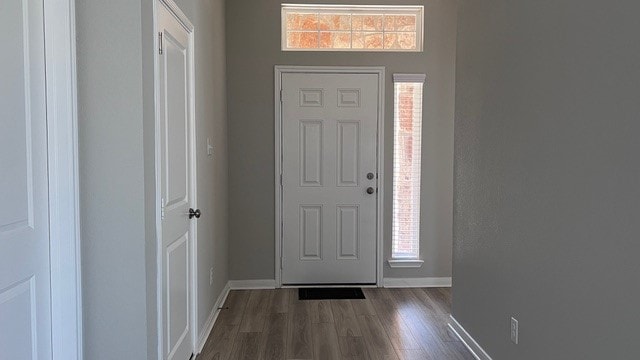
[(176, 185), (25, 315), (329, 139)]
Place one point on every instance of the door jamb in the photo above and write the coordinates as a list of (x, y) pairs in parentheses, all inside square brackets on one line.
[(174, 9), (279, 71), (62, 154)]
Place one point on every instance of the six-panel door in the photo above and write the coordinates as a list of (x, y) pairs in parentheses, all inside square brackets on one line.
[(329, 142)]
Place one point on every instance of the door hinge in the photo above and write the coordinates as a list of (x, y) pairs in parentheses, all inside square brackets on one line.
[(280, 95), (280, 179), (162, 209), (160, 43)]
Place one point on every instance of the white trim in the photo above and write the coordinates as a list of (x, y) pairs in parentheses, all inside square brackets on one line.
[(405, 263), (62, 137), (467, 340), (417, 282), (184, 21), (381, 172), (213, 316), (180, 16), (252, 284), (158, 197), (278, 173), (282, 69), (411, 78), (193, 158)]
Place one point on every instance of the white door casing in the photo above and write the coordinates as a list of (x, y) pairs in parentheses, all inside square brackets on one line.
[(329, 161), (25, 295), (64, 214), (177, 188)]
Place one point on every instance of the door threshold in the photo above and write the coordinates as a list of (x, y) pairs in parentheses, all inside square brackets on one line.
[(296, 286)]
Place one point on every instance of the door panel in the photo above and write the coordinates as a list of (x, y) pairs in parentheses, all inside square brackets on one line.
[(25, 315), (176, 121), (17, 182), (311, 232), (18, 309), (177, 281), (311, 153), (329, 146), (348, 153), (176, 189), (347, 231)]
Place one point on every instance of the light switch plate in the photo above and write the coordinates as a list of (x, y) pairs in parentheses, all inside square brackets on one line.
[(209, 147)]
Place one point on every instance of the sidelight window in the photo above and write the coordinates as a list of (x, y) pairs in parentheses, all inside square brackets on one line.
[(407, 151)]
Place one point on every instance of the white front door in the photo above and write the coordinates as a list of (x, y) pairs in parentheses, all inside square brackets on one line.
[(176, 185), (25, 302), (329, 138)]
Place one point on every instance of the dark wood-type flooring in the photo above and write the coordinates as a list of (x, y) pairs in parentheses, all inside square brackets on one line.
[(398, 324)]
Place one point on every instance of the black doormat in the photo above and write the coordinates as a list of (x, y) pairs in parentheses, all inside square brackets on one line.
[(330, 293)]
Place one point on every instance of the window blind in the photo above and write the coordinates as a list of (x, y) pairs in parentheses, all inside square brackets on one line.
[(407, 147)]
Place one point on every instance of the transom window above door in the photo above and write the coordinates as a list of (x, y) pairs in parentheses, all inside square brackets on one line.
[(352, 28)]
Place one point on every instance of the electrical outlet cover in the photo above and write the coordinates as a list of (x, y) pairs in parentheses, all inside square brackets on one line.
[(514, 330)]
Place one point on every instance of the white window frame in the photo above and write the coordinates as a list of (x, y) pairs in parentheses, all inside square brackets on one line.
[(406, 262), (417, 10)]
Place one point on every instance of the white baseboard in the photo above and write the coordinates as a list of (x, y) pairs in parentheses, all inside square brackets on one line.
[(213, 316), (252, 284), (387, 282), (416, 282), (467, 340)]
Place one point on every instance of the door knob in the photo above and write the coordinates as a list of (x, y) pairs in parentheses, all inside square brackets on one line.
[(194, 213), (370, 176), (370, 190)]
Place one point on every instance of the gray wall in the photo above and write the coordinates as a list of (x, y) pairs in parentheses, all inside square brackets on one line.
[(546, 177), (117, 175), (112, 189), (211, 121), (253, 35)]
